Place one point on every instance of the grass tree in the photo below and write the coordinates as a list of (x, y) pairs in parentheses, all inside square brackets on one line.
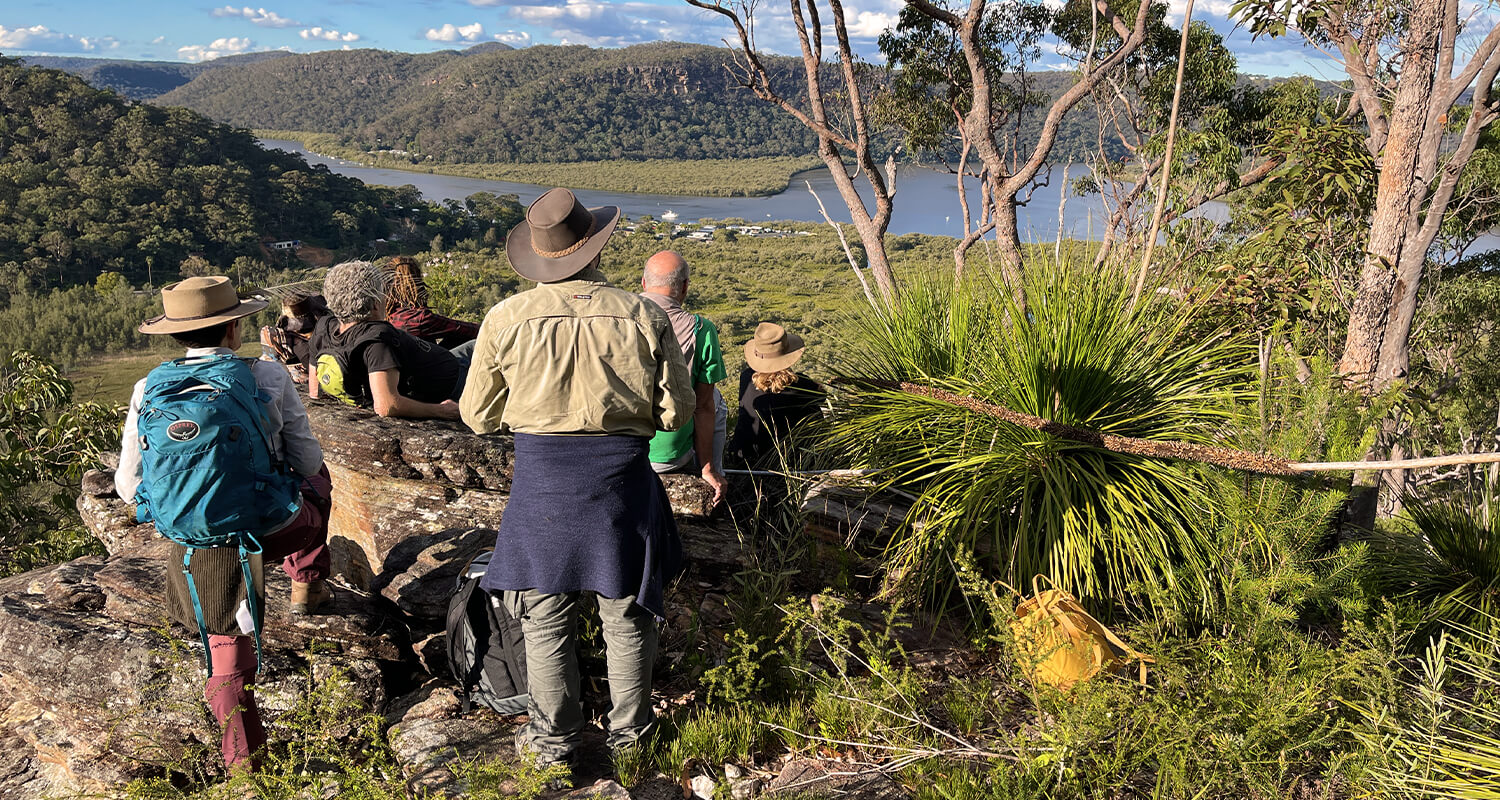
[(1443, 555), (1107, 526)]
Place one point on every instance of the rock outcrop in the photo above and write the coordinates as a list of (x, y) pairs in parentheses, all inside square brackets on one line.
[(97, 687)]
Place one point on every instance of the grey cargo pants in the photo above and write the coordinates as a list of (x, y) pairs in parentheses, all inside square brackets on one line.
[(550, 625)]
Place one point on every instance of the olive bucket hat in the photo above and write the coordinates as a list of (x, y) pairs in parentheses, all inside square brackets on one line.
[(559, 237), (773, 349)]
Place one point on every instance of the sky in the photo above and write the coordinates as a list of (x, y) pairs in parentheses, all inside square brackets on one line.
[(182, 30)]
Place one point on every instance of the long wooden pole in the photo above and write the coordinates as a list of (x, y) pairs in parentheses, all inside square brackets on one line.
[(1182, 451)]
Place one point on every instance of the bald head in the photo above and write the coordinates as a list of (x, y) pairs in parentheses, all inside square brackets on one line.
[(666, 273)]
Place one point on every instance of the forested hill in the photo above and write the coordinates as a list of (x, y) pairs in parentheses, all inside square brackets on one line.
[(538, 104), (90, 182), (141, 80)]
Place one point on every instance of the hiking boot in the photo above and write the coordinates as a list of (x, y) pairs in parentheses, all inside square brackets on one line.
[(533, 758), (308, 598)]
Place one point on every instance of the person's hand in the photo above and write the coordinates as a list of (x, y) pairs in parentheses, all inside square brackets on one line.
[(449, 409), (716, 480)]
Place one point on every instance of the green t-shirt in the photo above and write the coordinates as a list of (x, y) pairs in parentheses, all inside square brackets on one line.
[(707, 367)]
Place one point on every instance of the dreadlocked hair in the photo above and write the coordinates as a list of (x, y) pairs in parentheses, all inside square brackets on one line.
[(773, 382), (408, 289)]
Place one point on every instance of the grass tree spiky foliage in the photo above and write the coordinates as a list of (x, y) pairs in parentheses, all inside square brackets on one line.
[(1443, 554), (1103, 525), (1446, 747)]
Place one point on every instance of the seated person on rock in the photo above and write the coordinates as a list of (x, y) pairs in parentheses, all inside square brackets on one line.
[(361, 358), (203, 314), (774, 400), (289, 340), (407, 309)]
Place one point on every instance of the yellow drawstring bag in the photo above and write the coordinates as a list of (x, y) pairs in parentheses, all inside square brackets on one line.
[(1061, 644)]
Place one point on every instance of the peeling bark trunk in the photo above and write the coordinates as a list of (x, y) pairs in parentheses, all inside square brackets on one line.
[(1398, 202)]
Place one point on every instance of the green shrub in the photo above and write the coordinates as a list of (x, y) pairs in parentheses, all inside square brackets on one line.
[(1443, 555), (1101, 524)]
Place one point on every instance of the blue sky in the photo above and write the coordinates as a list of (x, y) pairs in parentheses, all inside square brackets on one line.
[(181, 30)]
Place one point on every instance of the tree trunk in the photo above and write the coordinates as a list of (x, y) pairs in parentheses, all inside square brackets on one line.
[(1398, 204)]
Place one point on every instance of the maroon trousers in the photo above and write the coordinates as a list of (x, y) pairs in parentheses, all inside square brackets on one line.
[(302, 549)]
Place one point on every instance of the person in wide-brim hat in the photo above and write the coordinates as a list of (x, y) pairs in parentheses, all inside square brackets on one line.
[(559, 237), (209, 596), (773, 348), (198, 303)]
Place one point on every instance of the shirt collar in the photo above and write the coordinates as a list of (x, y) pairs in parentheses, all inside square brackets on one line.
[(589, 275), (200, 352), (667, 302)]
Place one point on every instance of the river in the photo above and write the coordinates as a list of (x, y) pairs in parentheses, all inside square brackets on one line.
[(926, 200)]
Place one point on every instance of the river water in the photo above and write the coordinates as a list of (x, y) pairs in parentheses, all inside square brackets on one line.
[(926, 200)]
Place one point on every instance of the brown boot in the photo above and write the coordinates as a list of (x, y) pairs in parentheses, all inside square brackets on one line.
[(308, 598)]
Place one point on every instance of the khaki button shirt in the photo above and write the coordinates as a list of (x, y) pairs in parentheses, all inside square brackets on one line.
[(577, 357)]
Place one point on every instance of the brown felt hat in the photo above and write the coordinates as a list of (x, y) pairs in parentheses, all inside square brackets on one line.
[(773, 349), (559, 237), (198, 303)]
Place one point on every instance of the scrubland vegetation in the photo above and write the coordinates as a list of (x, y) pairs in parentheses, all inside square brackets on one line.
[(1328, 635), (1290, 660)]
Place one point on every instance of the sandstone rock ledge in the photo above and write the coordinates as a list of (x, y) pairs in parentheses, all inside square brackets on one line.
[(97, 687)]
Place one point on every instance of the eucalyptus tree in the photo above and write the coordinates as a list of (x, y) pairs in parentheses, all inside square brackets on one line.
[(931, 92), (1425, 111), (834, 105), (1223, 125), (1120, 29)]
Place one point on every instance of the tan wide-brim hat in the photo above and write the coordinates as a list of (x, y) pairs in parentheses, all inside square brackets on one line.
[(559, 237), (198, 303), (773, 349)]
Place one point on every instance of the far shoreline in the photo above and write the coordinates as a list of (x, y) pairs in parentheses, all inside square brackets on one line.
[(724, 177)]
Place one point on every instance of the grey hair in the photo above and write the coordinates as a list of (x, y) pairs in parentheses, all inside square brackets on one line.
[(355, 290), (673, 280)]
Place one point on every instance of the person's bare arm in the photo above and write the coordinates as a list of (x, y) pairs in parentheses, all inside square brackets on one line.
[(391, 403), (704, 414)]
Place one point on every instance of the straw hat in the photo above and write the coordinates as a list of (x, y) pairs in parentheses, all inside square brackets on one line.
[(773, 349), (198, 303), (559, 237)]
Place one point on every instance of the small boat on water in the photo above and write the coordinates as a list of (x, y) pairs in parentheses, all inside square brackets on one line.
[(669, 215)]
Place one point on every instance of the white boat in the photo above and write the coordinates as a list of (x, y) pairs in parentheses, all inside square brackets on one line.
[(669, 215)]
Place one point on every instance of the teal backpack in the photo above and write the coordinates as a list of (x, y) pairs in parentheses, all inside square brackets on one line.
[(208, 477)]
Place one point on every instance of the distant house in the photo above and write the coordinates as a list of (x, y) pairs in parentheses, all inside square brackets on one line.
[(290, 244)]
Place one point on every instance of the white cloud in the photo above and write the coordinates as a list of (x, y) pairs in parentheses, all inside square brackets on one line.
[(329, 35), (452, 33), (514, 38), (258, 16), (42, 38), (214, 49), (1201, 8), (599, 23), (159, 40), (870, 24)]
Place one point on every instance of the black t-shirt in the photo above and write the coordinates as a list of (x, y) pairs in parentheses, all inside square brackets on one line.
[(768, 416), (427, 372)]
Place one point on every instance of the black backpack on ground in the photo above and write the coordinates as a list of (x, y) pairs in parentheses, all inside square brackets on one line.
[(486, 650)]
